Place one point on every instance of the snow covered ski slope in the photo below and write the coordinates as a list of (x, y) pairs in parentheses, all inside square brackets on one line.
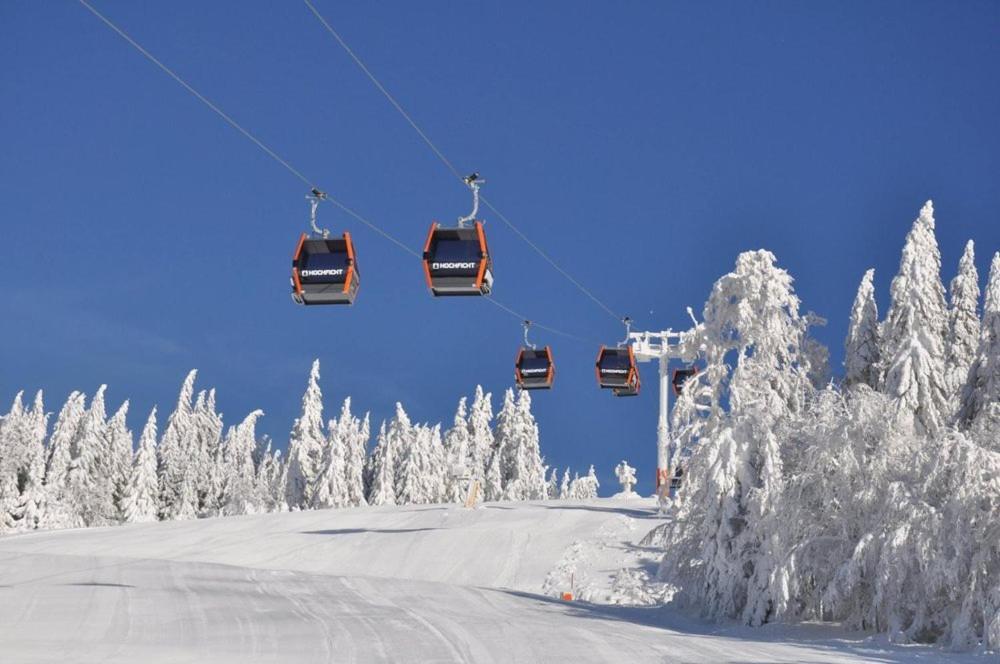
[(424, 583)]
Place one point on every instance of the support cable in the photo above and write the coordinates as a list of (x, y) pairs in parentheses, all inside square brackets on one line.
[(454, 171), (291, 169)]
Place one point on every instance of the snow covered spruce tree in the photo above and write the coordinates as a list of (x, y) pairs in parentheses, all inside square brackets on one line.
[(480, 434), (981, 393), (207, 463), (331, 489), (963, 324), (456, 453), (88, 488), (22, 465), (915, 331), (271, 479), (58, 511), (240, 495), (585, 488), (496, 471), (861, 349), (726, 537), (523, 476), (421, 466), (139, 503), (178, 493), (118, 463), (355, 434), (382, 471), (305, 446)]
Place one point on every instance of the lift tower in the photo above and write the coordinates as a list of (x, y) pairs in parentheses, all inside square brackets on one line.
[(663, 346)]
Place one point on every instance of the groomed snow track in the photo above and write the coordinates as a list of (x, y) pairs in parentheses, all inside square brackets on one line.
[(408, 584)]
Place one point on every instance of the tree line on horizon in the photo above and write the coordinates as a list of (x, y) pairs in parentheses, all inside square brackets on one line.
[(89, 472)]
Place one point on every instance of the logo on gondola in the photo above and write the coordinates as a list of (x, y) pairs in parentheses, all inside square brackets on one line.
[(529, 372), (453, 266), (614, 371), (322, 273)]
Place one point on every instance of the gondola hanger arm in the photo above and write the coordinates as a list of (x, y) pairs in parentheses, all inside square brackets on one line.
[(473, 181), (315, 197), (527, 324), (628, 330)]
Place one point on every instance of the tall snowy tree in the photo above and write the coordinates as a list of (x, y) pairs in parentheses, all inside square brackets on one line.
[(383, 471), (498, 468), (271, 480), (118, 462), (207, 462), (564, 486), (524, 474), (861, 349), (456, 449), (32, 502), (58, 510), (981, 395), (331, 480), (88, 489), (552, 487), (22, 464), (141, 494), (178, 491), (240, 495), (914, 333), (963, 324), (727, 540), (305, 447), (480, 434), (420, 465), (356, 434)]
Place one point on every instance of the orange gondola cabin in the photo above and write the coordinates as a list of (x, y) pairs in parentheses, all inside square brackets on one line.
[(616, 370), (324, 271), (534, 369), (457, 260)]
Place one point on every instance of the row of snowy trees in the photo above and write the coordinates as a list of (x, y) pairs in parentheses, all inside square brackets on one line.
[(415, 463), (88, 472), (875, 502)]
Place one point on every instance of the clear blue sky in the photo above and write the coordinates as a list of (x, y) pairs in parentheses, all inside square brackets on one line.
[(642, 144)]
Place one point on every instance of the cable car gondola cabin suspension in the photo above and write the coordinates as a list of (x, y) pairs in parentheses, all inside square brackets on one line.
[(533, 367), (616, 370), (457, 259), (324, 270)]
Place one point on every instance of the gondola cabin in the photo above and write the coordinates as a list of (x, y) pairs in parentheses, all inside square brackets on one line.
[(534, 369), (324, 271), (616, 370), (681, 377), (457, 261)]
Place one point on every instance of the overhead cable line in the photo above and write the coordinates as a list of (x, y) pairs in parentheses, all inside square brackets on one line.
[(440, 155), (276, 157), (238, 127)]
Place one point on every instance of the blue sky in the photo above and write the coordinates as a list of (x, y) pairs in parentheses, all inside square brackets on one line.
[(643, 145)]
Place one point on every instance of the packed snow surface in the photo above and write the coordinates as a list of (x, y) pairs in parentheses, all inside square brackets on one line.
[(422, 583)]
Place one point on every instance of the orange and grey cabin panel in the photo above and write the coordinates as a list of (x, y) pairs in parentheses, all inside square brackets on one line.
[(616, 370), (457, 261), (324, 271), (534, 369)]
